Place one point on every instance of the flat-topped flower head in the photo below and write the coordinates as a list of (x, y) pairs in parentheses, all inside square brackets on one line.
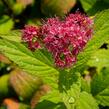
[(65, 39)]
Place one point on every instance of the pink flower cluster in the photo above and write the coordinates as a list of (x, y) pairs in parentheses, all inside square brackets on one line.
[(63, 38)]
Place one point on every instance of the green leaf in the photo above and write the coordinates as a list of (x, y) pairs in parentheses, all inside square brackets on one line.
[(47, 57), (75, 99), (70, 88), (66, 94), (91, 7), (100, 87), (85, 85), (52, 96), (24, 58), (87, 4), (52, 100), (101, 34), (86, 101), (103, 97), (70, 97), (12, 36), (50, 105), (99, 59), (6, 24)]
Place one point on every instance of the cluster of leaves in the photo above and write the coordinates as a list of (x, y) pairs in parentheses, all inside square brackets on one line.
[(84, 86)]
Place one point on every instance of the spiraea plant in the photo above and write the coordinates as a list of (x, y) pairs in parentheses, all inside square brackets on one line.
[(59, 52)]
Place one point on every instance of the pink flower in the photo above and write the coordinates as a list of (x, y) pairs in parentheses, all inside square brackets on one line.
[(30, 35), (65, 39), (29, 32)]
